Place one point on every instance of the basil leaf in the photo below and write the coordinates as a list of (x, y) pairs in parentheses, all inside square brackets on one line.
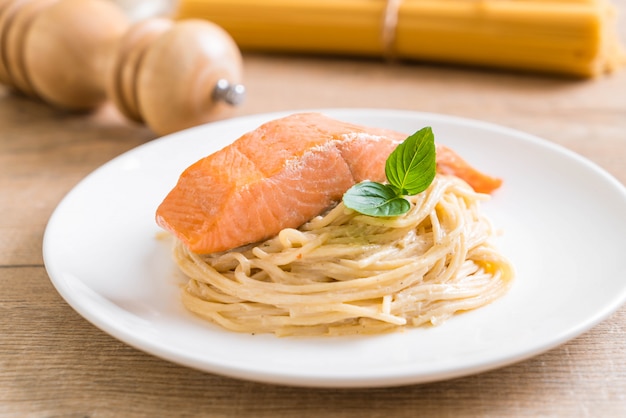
[(375, 199), (411, 167)]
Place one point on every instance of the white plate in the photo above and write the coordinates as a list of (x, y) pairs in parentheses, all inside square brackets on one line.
[(564, 229)]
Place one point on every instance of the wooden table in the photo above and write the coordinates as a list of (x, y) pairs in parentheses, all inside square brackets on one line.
[(55, 363)]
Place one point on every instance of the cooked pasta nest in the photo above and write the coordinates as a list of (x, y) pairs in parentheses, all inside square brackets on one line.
[(346, 273)]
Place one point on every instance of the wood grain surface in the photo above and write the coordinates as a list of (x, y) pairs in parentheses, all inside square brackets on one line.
[(53, 363)]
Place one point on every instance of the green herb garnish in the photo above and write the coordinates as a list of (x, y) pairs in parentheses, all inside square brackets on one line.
[(410, 169)]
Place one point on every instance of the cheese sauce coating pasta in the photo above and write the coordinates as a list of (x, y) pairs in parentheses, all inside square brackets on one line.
[(347, 273)]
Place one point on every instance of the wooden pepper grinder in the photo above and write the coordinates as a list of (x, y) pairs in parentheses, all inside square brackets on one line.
[(75, 54)]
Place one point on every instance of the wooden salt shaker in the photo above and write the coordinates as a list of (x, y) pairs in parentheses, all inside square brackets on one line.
[(75, 54)]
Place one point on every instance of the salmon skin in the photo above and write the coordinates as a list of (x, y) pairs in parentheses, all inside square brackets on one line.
[(277, 176)]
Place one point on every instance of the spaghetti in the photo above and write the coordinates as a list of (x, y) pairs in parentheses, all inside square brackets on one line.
[(347, 273)]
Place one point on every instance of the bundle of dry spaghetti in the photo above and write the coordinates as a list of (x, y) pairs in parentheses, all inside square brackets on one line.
[(570, 37)]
